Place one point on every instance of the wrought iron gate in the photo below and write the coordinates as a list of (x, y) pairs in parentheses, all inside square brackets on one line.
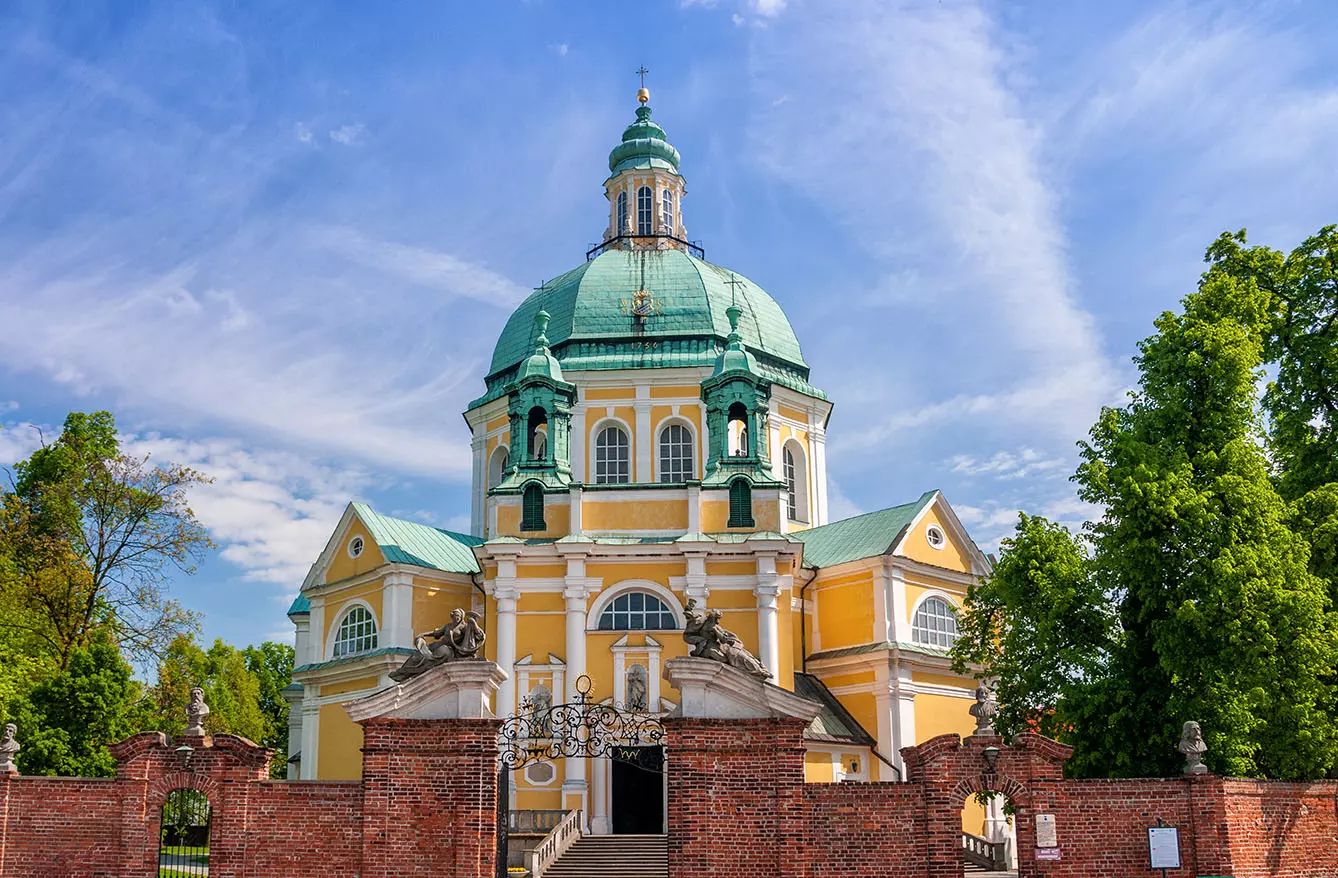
[(183, 845), (581, 729)]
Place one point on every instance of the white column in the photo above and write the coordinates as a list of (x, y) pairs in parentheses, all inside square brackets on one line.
[(653, 668), (575, 594), (600, 795), (768, 623), (506, 596), (644, 442), (311, 727), (817, 459)]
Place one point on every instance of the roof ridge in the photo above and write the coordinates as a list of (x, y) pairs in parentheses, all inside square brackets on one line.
[(919, 501)]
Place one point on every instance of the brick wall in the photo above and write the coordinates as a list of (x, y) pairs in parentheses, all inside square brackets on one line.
[(1282, 829), (736, 797), (429, 797), (293, 822), (58, 826), (855, 829)]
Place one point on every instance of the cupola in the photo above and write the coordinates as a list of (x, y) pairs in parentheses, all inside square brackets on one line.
[(644, 189)]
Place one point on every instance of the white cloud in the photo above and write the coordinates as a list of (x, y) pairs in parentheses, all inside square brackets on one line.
[(560, 49), (899, 121), (271, 512), (840, 506), (348, 134), (19, 440), (769, 8), (1009, 465), (303, 132)]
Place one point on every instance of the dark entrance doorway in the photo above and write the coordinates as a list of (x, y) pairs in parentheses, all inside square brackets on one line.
[(638, 791)]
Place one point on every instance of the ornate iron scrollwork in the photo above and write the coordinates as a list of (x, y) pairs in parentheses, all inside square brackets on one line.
[(581, 729)]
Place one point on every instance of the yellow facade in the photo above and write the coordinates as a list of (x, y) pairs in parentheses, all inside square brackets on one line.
[(804, 597)]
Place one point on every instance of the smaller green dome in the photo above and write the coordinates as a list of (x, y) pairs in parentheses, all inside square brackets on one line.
[(542, 363), (644, 144)]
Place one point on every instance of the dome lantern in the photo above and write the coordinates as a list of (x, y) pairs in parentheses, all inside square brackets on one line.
[(645, 189)]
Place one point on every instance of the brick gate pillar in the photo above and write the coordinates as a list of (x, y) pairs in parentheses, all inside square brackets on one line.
[(734, 759), (429, 774)]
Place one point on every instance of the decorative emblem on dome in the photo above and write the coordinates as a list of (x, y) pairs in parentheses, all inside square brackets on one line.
[(641, 306)]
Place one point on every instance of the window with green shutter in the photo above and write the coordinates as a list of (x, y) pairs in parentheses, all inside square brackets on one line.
[(740, 504), (532, 507)]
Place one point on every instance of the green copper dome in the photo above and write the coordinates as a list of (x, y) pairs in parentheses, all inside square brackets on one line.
[(594, 324), (644, 146)]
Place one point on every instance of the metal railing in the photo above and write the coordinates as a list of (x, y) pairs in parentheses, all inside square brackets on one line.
[(982, 852), (562, 836), (645, 242)]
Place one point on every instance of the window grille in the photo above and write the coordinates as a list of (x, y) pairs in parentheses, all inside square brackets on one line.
[(645, 210), (356, 633), (532, 507), (935, 623), (612, 457), (637, 611), (740, 504), (676, 464)]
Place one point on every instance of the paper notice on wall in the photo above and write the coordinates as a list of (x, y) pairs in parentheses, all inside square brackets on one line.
[(1164, 847), (1046, 837)]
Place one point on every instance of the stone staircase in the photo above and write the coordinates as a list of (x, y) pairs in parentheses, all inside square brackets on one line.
[(613, 856)]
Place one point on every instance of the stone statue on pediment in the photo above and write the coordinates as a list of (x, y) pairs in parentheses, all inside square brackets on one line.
[(984, 710), (9, 747), (460, 638), (1193, 747), (709, 639)]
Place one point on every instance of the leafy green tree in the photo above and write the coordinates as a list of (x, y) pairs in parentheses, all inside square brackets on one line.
[(272, 665), (68, 719), (1221, 620), (126, 525), (230, 689), (1039, 623)]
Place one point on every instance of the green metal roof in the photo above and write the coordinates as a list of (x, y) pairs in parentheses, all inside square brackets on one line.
[(345, 659), (592, 327), (644, 144), (833, 724), (863, 536), (300, 606), (883, 646), (408, 542)]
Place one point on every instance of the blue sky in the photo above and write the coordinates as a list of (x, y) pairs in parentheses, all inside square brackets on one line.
[(278, 240)]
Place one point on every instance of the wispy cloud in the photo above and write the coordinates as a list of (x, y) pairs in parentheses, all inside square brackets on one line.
[(1009, 464), (348, 134)]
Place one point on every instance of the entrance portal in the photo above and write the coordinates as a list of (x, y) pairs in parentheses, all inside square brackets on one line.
[(638, 791)]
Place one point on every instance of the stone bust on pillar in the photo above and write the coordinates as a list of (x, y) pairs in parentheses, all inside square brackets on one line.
[(196, 711)]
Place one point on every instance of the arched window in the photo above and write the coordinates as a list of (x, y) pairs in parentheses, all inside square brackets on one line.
[(794, 471), (740, 504), (676, 463), (356, 633), (637, 611), (738, 430), (532, 507), (536, 435), (935, 623), (645, 210), (612, 457), (622, 214), (497, 466), (667, 212)]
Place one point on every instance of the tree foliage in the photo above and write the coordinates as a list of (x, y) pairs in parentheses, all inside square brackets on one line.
[(1217, 584)]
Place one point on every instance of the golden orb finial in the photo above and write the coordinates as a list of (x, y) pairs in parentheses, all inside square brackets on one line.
[(643, 94)]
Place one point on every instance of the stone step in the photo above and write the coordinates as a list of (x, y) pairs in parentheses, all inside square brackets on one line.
[(613, 856)]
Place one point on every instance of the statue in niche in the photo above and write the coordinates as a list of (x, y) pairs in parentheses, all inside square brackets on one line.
[(638, 691), (9, 747), (196, 711), (460, 638), (984, 710), (709, 639), (541, 712), (1193, 746)]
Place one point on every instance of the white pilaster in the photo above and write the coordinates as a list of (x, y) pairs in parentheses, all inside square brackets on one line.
[(478, 508), (316, 647), (576, 446), (397, 610), (311, 727), (900, 626), (599, 821), (644, 442), (774, 441), (767, 591), (575, 595), (903, 713), (817, 458), (694, 509), (695, 587), (574, 499), (882, 599)]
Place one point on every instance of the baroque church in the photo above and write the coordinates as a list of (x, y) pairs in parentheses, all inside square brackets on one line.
[(648, 435)]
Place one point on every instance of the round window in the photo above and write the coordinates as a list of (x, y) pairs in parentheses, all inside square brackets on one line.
[(935, 537), (355, 547)]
